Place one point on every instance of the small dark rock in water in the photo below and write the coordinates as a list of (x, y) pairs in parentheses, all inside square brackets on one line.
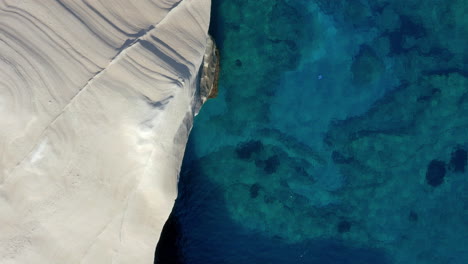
[(245, 150), (271, 164), (259, 163), (339, 158), (458, 160), (254, 188), (269, 199), (435, 173), (278, 237), (428, 96), (413, 216), (343, 226), (408, 28), (238, 63)]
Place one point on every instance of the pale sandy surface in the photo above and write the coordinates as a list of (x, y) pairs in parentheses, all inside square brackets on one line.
[(92, 131)]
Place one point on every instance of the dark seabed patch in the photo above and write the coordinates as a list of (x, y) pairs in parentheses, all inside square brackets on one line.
[(459, 160), (435, 173), (207, 234)]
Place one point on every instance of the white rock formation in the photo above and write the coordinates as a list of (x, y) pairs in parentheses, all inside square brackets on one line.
[(96, 104)]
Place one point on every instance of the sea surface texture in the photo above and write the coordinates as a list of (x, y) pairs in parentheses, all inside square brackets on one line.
[(340, 135)]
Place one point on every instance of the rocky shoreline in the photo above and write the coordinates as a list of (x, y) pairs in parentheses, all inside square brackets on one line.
[(209, 71)]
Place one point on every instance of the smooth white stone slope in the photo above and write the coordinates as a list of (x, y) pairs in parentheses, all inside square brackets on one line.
[(96, 104)]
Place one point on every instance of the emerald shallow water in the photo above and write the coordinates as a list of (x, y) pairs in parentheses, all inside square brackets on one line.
[(339, 136)]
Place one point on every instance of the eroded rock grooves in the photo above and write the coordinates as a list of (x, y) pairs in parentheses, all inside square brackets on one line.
[(167, 251), (97, 99)]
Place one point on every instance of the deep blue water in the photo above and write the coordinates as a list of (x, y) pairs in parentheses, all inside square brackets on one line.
[(340, 135)]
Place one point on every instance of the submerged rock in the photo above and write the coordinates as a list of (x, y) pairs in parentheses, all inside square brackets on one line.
[(413, 216), (459, 160), (435, 173), (254, 189), (247, 149), (272, 164), (343, 226)]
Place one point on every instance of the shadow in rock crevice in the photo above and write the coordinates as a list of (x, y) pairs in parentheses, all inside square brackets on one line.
[(167, 251)]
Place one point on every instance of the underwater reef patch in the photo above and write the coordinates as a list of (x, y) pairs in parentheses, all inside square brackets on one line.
[(344, 226), (245, 150), (393, 165), (413, 216), (259, 40), (254, 189), (458, 160), (435, 173), (272, 164)]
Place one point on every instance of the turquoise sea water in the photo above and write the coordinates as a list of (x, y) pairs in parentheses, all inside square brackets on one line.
[(340, 135)]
